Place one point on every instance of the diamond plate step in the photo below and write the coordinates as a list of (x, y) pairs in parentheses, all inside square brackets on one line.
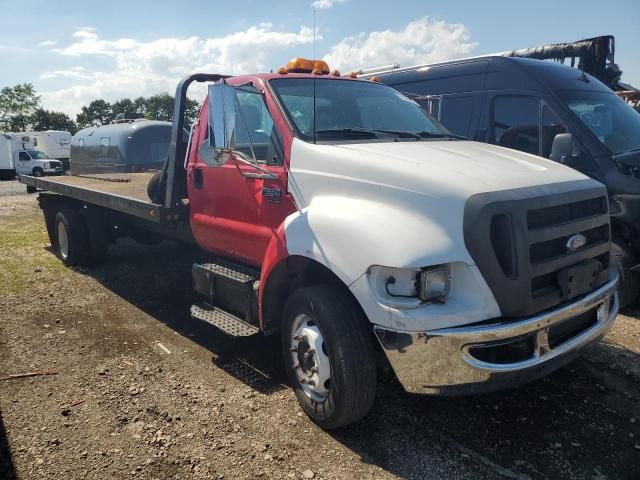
[(225, 321)]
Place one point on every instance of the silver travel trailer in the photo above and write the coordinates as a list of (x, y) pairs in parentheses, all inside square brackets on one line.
[(124, 147)]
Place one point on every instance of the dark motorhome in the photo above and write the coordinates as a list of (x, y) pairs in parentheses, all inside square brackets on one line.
[(134, 146), (546, 109)]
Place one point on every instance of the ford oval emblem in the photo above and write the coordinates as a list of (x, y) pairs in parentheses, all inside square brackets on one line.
[(576, 241)]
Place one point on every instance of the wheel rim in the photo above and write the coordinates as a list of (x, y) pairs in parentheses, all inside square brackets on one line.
[(310, 359), (63, 241), (37, 172)]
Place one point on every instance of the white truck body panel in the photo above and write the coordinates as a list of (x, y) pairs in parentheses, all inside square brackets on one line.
[(54, 143), (405, 201), (6, 155)]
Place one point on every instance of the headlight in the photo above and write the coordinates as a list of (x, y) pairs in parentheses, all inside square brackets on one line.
[(45, 165), (435, 283), (410, 287)]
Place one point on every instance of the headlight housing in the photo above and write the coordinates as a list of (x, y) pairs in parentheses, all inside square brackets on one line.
[(410, 287)]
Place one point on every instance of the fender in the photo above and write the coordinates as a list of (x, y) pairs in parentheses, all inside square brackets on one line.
[(349, 235)]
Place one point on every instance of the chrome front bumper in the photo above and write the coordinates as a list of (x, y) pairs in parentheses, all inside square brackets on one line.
[(442, 362)]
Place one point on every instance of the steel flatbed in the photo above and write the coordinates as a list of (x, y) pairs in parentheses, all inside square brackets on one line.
[(122, 192)]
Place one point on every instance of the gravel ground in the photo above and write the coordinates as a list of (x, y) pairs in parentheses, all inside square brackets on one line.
[(140, 391), (11, 188)]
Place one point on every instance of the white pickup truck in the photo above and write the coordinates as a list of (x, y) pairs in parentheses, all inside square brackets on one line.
[(35, 163), (336, 213)]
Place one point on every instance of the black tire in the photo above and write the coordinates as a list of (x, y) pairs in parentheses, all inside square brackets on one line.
[(38, 172), (629, 283), (153, 186), (31, 189), (352, 386), (77, 251)]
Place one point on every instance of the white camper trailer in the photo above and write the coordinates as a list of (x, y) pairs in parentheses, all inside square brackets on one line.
[(7, 170)]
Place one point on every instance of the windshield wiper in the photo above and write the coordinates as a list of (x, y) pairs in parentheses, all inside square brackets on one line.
[(426, 134), (348, 132), (370, 132)]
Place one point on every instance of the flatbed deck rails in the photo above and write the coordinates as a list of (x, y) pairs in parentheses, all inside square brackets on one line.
[(125, 193)]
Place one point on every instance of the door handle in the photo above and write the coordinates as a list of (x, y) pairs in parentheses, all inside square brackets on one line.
[(198, 177)]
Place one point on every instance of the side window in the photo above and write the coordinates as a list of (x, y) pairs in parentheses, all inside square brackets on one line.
[(254, 130), (515, 123), (551, 126), (24, 156), (104, 146), (456, 114)]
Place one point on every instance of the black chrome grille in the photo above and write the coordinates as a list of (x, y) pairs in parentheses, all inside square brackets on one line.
[(519, 238)]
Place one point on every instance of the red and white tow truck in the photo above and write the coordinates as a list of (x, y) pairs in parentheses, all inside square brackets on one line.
[(340, 216)]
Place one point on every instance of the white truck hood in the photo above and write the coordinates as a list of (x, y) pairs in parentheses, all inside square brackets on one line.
[(404, 192), (464, 166)]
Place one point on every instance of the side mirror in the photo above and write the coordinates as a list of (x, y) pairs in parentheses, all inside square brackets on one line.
[(562, 148), (222, 121)]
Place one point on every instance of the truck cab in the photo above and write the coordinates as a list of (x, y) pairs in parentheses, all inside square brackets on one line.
[(36, 163), (338, 215), (545, 109)]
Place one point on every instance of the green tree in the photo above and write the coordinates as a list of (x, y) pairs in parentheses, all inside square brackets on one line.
[(98, 112), (17, 105), (160, 107), (48, 120), (126, 106)]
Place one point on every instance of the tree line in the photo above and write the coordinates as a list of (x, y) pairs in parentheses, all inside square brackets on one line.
[(21, 110)]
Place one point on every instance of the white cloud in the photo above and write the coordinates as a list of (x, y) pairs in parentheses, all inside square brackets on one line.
[(146, 68), (420, 41), (47, 43), (324, 4)]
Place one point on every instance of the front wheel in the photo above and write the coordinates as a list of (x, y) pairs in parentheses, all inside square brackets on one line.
[(329, 356), (38, 172), (629, 281)]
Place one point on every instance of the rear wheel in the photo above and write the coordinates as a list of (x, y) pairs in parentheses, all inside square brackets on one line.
[(629, 282), (329, 356), (72, 239)]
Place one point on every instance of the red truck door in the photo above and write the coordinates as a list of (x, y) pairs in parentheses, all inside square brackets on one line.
[(233, 213)]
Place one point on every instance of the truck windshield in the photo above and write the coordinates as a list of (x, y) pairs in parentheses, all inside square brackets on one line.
[(37, 155), (353, 110), (613, 121)]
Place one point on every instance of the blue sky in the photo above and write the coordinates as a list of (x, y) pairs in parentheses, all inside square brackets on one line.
[(76, 51)]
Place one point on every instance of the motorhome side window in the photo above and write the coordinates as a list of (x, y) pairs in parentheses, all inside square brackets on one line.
[(104, 146), (254, 129), (24, 156), (515, 123)]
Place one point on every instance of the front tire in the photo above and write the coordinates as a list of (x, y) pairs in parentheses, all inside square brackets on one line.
[(629, 281), (328, 356), (38, 172), (72, 238)]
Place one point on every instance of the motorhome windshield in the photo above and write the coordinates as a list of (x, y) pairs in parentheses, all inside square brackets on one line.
[(37, 155), (610, 119), (353, 110)]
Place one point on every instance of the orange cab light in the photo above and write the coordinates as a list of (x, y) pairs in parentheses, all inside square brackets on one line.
[(300, 65), (321, 66), (352, 75), (283, 71), (375, 78), (335, 73)]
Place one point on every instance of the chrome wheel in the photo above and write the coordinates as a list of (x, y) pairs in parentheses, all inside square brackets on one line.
[(310, 358), (63, 241)]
